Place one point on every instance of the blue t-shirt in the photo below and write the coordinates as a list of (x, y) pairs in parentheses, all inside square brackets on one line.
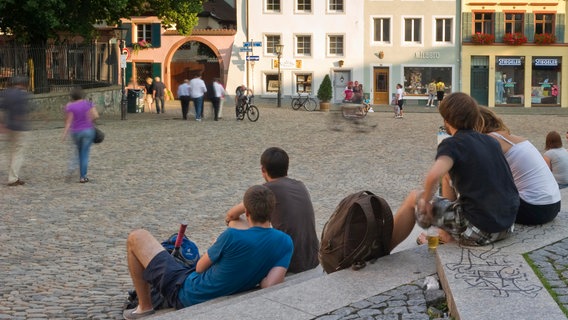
[(241, 259)]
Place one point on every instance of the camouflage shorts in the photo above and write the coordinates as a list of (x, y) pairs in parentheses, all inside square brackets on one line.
[(449, 216)]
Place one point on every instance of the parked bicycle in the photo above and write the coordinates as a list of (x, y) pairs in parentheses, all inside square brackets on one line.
[(246, 107), (304, 100)]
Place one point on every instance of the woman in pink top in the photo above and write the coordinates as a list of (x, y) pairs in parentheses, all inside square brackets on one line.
[(79, 117)]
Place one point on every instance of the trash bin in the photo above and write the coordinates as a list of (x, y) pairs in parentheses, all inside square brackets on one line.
[(133, 100)]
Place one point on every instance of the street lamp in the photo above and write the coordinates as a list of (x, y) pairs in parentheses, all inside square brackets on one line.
[(278, 49), (122, 33)]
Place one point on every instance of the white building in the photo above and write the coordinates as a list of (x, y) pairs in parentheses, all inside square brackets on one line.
[(319, 37)]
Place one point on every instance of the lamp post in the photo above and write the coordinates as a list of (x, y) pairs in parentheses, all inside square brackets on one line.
[(278, 48), (122, 33)]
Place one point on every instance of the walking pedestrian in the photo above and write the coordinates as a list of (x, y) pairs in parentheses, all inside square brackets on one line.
[(79, 117), (15, 107), (217, 96), (197, 91), (148, 94), (159, 93), (183, 95)]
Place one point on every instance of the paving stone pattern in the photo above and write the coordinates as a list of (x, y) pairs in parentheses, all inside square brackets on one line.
[(62, 243)]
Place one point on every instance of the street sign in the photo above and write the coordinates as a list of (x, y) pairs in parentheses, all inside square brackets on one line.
[(126, 51), (252, 58), (123, 61), (245, 49), (246, 44), (257, 44)]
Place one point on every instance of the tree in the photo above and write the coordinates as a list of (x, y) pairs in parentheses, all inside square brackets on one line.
[(325, 90), (35, 22)]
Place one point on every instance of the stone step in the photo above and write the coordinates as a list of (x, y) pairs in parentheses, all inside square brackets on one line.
[(496, 282)]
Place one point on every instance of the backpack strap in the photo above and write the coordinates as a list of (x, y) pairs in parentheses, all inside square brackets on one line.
[(371, 226)]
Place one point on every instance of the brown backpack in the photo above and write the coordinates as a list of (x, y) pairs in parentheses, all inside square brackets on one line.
[(359, 230)]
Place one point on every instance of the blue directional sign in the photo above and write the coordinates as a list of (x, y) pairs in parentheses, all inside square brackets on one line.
[(257, 44), (245, 49), (247, 44), (252, 58)]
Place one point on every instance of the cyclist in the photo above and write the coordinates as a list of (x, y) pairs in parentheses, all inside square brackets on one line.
[(241, 98)]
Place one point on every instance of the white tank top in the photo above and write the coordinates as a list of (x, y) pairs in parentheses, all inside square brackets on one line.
[(533, 178)]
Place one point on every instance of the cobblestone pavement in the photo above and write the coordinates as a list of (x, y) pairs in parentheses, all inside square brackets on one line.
[(62, 244)]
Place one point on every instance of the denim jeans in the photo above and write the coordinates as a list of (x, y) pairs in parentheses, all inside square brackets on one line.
[(83, 140), (198, 104)]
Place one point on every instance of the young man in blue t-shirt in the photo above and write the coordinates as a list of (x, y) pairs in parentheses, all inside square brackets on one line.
[(239, 260)]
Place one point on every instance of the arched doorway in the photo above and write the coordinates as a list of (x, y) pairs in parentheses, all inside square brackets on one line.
[(191, 58)]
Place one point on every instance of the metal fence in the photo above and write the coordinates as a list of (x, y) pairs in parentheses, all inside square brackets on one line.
[(60, 67)]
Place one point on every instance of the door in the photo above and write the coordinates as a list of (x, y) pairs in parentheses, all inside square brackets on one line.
[(479, 82), (381, 85), (340, 80)]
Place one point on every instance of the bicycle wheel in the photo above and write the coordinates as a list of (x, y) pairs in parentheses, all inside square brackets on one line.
[(252, 113), (296, 104), (310, 105), (240, 113)]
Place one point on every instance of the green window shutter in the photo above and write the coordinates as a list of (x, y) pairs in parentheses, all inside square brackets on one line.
[(560, 27), (128, 72), (156, 35), (499, 26), (529, 26), (466, 27), (128, 34), (157, 70)]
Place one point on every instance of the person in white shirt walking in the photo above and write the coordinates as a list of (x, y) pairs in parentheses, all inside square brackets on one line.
[(217, 96), (183, 96), (197, 91)]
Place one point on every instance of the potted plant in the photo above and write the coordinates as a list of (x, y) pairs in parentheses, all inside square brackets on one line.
[(514, 38), (141, 45), (544, 38), (325, 93), (482, 38)]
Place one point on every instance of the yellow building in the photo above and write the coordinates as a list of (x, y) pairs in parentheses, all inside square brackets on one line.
[(512, 52)]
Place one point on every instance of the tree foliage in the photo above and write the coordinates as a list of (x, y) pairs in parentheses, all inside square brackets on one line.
[(36, 21)]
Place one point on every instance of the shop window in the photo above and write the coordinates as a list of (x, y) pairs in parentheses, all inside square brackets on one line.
[(509, 77), (304, 83), (271, 83), (483, 22), (417, 78), (381, 32), (545, 82)]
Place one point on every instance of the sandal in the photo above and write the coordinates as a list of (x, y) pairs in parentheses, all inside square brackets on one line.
[(84, 180)]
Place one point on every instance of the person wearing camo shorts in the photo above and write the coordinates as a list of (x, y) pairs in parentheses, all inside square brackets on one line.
[(480, 201)]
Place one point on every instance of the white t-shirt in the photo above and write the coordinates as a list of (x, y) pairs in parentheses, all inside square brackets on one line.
[(399, 93), (559, 164)]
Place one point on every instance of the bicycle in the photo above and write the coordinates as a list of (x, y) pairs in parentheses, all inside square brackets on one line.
[(305, 101), (246, 107)]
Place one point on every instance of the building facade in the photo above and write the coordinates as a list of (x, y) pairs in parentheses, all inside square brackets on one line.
[(512, 52), (410, 42), (319, 38)]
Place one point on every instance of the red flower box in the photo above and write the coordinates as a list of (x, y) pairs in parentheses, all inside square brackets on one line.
[(544, 38), (514, 38), (482, 38)]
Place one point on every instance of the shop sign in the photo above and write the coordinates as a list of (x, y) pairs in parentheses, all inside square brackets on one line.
[(509, 61), (287, 64), (426, 55), (546, 62)]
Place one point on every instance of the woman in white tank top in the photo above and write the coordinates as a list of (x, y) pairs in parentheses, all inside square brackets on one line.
[(538, 190)]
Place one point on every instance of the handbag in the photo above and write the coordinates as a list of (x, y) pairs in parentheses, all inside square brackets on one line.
[(99, 135)]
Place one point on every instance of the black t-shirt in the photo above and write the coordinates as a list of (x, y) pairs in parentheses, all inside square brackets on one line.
[(482, 179)]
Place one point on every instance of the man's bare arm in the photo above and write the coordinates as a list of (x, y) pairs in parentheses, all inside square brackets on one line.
[(275, 276), (203, 264)]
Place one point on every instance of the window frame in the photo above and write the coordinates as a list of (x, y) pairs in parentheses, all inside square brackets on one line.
[(146, 31), (483, 21), (297, 47), (543, 22), (304, 3), (273, 3), (513, 22), (413, 42), (329, 47), (267, 44), (335, 4), (373, 40), (451, 40)]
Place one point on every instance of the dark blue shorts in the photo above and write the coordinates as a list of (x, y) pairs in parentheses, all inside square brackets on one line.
[(531, 214), (167, 275)]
